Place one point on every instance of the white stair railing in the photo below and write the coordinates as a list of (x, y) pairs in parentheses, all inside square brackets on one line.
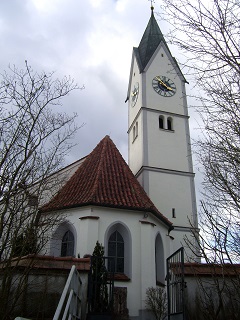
[(69, 306)]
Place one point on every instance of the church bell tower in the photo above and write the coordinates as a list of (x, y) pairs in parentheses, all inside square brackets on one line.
[(158, 131)]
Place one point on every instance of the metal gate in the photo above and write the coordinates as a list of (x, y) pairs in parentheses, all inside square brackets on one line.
[(175, 285), (100, 285)]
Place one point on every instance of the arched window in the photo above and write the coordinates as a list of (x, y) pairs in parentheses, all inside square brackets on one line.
[(169, 124), (63, 240), (118, 243), (159, 261), (135, 131), (67, 248), (116, 251), (161, 122)]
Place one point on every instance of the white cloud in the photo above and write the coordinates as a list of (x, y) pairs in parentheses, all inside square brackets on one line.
[(90, 40)]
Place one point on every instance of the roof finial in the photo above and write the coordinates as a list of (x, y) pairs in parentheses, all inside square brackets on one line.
[(152, 7)]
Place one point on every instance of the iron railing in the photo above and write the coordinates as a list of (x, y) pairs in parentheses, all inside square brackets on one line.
[(69, 306), (175, 284), (101, 285)]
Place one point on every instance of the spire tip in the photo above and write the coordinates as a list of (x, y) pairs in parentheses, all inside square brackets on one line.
[(152, 7)]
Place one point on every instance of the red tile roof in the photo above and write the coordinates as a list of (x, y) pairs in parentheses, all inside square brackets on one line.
[(204, 269), (49, 262), (104, 179)]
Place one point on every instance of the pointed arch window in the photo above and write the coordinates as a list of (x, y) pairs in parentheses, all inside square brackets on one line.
[(116, 251), (67, 248), (159, 261)]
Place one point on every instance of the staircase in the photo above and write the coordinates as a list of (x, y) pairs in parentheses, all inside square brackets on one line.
[(69, 306)]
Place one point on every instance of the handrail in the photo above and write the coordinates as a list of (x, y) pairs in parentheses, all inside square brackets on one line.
[(68, 305), (72, 290)]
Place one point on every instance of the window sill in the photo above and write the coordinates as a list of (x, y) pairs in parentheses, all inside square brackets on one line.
[(134, 138), (160, 284), (121, 277), (166, 130)]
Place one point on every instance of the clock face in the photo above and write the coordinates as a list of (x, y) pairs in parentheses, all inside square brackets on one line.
[(164, 86), (134, 94)]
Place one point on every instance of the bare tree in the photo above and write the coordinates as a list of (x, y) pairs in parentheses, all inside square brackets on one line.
[(156, 302), (209, 34), (34, 138)]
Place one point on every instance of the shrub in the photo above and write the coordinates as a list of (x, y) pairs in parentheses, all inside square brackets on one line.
[(156, 302)]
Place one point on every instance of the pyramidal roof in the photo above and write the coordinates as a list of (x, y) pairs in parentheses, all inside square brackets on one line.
[(104, 179), (151, 39), (149, 42)]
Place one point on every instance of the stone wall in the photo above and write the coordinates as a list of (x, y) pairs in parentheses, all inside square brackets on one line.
[(212, 291), (43, 285)]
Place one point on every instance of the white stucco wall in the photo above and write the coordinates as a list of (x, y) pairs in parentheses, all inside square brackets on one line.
[(167, 149), (135, 154), (162, 64), (134, 78), (93, 223), (161, 190)]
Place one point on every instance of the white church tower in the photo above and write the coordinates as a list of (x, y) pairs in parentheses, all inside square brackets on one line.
[(158, 131)]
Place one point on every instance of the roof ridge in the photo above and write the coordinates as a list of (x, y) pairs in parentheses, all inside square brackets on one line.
[(99, 169)]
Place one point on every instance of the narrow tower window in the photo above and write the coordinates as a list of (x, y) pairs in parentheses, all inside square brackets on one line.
[(161, 122), (173, 213), (135, 131), (169, 124)]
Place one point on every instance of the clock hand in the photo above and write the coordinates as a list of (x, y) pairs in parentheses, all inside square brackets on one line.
[(164, 84), (134, 92)]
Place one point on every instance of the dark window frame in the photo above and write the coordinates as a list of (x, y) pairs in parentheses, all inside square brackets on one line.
[(67, 245), (116, 251), (169, 124), (161, 122)]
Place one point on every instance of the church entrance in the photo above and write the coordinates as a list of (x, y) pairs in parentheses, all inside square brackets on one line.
[(176, 285)]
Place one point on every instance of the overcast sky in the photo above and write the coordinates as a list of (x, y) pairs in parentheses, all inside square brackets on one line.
[(90, 40)]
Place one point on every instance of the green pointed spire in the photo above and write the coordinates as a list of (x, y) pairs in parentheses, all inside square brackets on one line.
[(149, 42)]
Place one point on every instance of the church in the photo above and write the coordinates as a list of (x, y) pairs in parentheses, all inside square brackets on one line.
[(141, 211)]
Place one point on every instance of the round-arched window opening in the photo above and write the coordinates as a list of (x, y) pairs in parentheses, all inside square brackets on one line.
[(161, 122), (169, 124)]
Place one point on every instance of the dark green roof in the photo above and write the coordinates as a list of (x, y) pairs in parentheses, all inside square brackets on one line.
[(149, 42)]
